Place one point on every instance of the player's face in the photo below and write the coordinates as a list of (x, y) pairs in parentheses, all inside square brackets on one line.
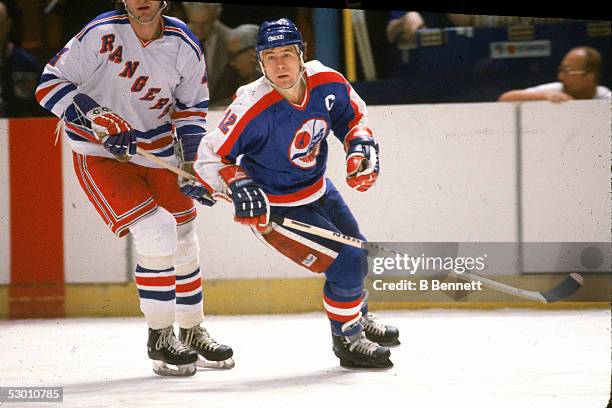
[(282, 65), (144, 10), (572, 74)]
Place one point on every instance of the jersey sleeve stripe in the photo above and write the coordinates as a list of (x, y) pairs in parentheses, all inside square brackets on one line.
[(201, 105), (46, 78), (152, 133), (157, 144), (57, 96), (268, 100), (189, 129), (41, 93), (188, 114)]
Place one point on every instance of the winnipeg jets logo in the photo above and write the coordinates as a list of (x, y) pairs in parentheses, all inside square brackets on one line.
[(306, 143), (329, 101)]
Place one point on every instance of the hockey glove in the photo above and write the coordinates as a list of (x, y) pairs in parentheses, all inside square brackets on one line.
[(251, 205), (190, 187), (116, 134), (362, 164), (197, 191)]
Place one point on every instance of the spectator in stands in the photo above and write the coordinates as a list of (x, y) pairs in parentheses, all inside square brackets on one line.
[(19, 73), (578, 79), (203, 20), (242, 60), (404, 25)]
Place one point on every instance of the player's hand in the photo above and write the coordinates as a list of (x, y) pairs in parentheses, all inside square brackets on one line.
[(197, 191), (362, 162), (116, 134), (557, 96), (251, 205), (194, 189)]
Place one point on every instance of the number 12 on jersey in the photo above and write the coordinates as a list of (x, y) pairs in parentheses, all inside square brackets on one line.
[(228, 120)]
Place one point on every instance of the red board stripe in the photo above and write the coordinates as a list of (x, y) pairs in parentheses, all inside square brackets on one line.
[(37, 239)]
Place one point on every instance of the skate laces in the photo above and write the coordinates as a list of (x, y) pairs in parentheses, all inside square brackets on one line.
[(370, 324), (363, 345), (167, 337), (200, 336)]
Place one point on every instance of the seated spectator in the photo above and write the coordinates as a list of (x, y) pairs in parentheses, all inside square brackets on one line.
[(404, 25), (19, 73), (578, 79), (203, 20), (243, 59)]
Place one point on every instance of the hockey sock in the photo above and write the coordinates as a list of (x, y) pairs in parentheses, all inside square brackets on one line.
[(189, 298), (343, 311), (156, 289)]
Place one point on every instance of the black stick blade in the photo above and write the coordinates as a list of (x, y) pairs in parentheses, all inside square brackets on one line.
[(565, 289)]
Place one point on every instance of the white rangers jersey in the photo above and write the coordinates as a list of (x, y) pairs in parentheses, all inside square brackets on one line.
[(156, 86)]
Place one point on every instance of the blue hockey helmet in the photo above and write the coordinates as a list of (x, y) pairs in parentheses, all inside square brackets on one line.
[(278, 33)]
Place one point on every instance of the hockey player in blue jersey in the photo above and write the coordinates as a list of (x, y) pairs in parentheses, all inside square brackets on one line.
[(269, 153)]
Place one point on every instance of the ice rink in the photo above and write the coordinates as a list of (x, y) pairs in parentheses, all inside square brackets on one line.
[(448, 358)]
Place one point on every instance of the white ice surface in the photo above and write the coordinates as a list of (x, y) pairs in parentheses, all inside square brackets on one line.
[(507, 358)]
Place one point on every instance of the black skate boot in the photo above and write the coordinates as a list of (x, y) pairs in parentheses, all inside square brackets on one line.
[(164, 348), (359, 352), (213, 354), (382, 334)]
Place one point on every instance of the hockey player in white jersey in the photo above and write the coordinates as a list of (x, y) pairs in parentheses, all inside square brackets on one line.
[(269, 152), (133, 78)]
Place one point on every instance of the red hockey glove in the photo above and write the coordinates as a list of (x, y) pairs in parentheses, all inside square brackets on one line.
[(362, 164)]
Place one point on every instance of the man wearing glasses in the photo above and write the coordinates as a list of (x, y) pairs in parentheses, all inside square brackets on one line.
[(578, 79)]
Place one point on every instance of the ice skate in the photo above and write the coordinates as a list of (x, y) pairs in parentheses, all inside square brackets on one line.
[(359, 352), (211, 353), (164, 348), (382, 334)]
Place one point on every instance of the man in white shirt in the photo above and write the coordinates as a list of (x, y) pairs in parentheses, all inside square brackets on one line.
[(578, 79)]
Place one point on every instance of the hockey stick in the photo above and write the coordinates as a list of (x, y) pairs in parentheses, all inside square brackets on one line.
[(216, 195), (165, 164), (564, 289)]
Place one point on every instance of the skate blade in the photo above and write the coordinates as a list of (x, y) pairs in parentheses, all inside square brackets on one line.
[(222, 365), (182, 370), (384, 365)]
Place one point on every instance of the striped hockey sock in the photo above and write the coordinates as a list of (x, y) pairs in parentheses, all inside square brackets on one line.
[(343, 312), (189, 299), (156, 289)]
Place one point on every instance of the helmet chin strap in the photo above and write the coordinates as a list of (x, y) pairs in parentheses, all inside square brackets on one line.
[(137, 19), (297, 81)]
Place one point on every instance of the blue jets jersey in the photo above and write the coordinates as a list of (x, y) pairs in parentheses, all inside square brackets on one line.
[(281, 145)]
